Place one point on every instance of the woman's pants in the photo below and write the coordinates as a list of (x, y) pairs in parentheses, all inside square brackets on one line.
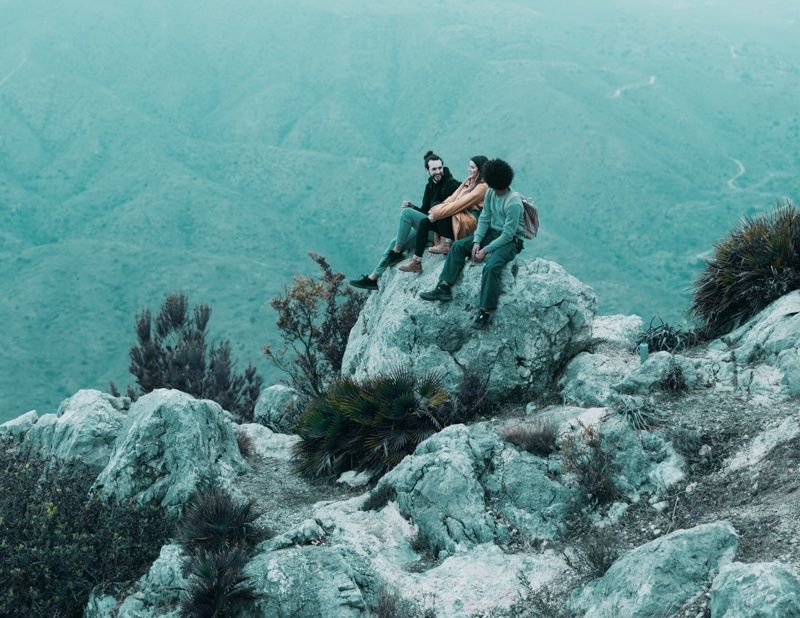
[(443, 227)]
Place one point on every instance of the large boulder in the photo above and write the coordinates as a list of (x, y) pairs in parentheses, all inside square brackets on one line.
[(157, 593), (308, 581), (543, 319), (169, 443), (767, 349), (278, 407), (657, 578), (760, 590), (84, 427), (466, 486), (17, 427)]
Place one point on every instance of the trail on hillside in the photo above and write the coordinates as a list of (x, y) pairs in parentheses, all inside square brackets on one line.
[(618, 92), (14, 70)]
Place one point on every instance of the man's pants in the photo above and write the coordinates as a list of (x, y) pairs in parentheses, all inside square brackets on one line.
[(406, 236), (492, 265)]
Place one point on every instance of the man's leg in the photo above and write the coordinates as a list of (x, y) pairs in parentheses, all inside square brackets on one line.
[(453, 266), (385, 262), (409, 220), (492, 273)]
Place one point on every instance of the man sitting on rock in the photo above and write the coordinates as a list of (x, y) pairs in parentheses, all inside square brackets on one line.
[(497, 239), (439, 187)]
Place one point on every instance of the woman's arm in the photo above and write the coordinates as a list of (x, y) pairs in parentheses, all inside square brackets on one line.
[(464, 202)]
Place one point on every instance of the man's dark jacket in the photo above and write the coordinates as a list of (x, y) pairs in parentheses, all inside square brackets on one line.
[(437, 192)]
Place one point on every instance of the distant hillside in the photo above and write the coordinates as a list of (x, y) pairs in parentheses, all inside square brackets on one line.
[(150, 147)]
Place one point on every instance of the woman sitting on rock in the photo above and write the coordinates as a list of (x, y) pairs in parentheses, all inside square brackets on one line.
[(454, 218)]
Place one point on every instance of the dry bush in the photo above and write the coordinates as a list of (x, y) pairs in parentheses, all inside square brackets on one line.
[(538, 438), (592, 464)]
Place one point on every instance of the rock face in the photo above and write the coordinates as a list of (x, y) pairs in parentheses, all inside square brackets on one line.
[(18, 427), (657, 578), (167, 445), (157, 593), (466, 486), (760, 590), (278, 407), (543, 319), (85, 426)]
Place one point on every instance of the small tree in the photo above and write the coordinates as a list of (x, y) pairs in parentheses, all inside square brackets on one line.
[(175, 354), (315, 317)]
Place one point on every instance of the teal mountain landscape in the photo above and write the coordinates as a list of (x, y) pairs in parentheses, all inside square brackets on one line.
[(149, 147)]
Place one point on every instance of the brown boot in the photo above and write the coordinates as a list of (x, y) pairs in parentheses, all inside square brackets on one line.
[(442, 247), (412, 266)]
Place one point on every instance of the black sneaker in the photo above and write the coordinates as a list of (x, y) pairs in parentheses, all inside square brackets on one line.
[(441, 292), (482, 320), (394, 258), (365, 283)]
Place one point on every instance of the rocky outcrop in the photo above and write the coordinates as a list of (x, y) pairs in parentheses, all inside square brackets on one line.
[(84, 427), (760, 360), (168, 444), (268, 444), (17, 427), (465, 486), (760, 590), (157, 593), (657, 578), (544, 318), (278, 407)]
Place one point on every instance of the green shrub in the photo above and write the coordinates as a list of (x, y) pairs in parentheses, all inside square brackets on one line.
[(370, 425), (538, 438), (218, 587), (753, 266), (175, 354), (315, 317), (661, 336), (56, 543), (212, 520), (593, 465), (641, 415)]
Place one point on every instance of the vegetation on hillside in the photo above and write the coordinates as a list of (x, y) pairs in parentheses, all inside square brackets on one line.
[(172, 352), (754, 265), (315, 317), (57, 542)]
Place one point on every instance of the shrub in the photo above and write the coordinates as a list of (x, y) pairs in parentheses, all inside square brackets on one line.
[(593, 466), (596, 552), (175, 354), (315, 317), (56, 543), (218, 587), (674, 380), (661, 336), (370, 425), (378, 498), (754, 265), (212, 520), (471, 398), (640, 415), (389, 604), (246, 446), (539, 438)]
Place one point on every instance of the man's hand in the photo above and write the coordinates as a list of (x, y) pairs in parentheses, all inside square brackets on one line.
[(407, 204), (431, 218), (475, 248), (479, 255)]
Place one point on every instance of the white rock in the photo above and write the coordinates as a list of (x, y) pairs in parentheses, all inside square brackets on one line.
[(18, 427), (763, 444)]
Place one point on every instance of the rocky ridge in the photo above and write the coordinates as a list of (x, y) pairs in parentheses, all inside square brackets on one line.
[(704, 522)]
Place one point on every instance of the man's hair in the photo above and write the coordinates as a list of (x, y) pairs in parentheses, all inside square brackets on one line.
[(498, 174), (432, 156)]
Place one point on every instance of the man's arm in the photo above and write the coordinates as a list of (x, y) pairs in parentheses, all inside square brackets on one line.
[(483, 222), (510, 225)]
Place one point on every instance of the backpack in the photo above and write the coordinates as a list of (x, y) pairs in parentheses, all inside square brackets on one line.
[(530, 216)]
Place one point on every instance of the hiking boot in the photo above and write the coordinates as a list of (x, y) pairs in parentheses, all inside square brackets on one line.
[(482, 320), (394, 258), (365, 283), (442, 247), (441, 292), (412, 266)]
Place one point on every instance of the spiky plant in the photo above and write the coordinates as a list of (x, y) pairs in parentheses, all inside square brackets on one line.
[(370, 425), (218, 587), (663, 336), (539, 438), (754, 265), (212, 520)]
